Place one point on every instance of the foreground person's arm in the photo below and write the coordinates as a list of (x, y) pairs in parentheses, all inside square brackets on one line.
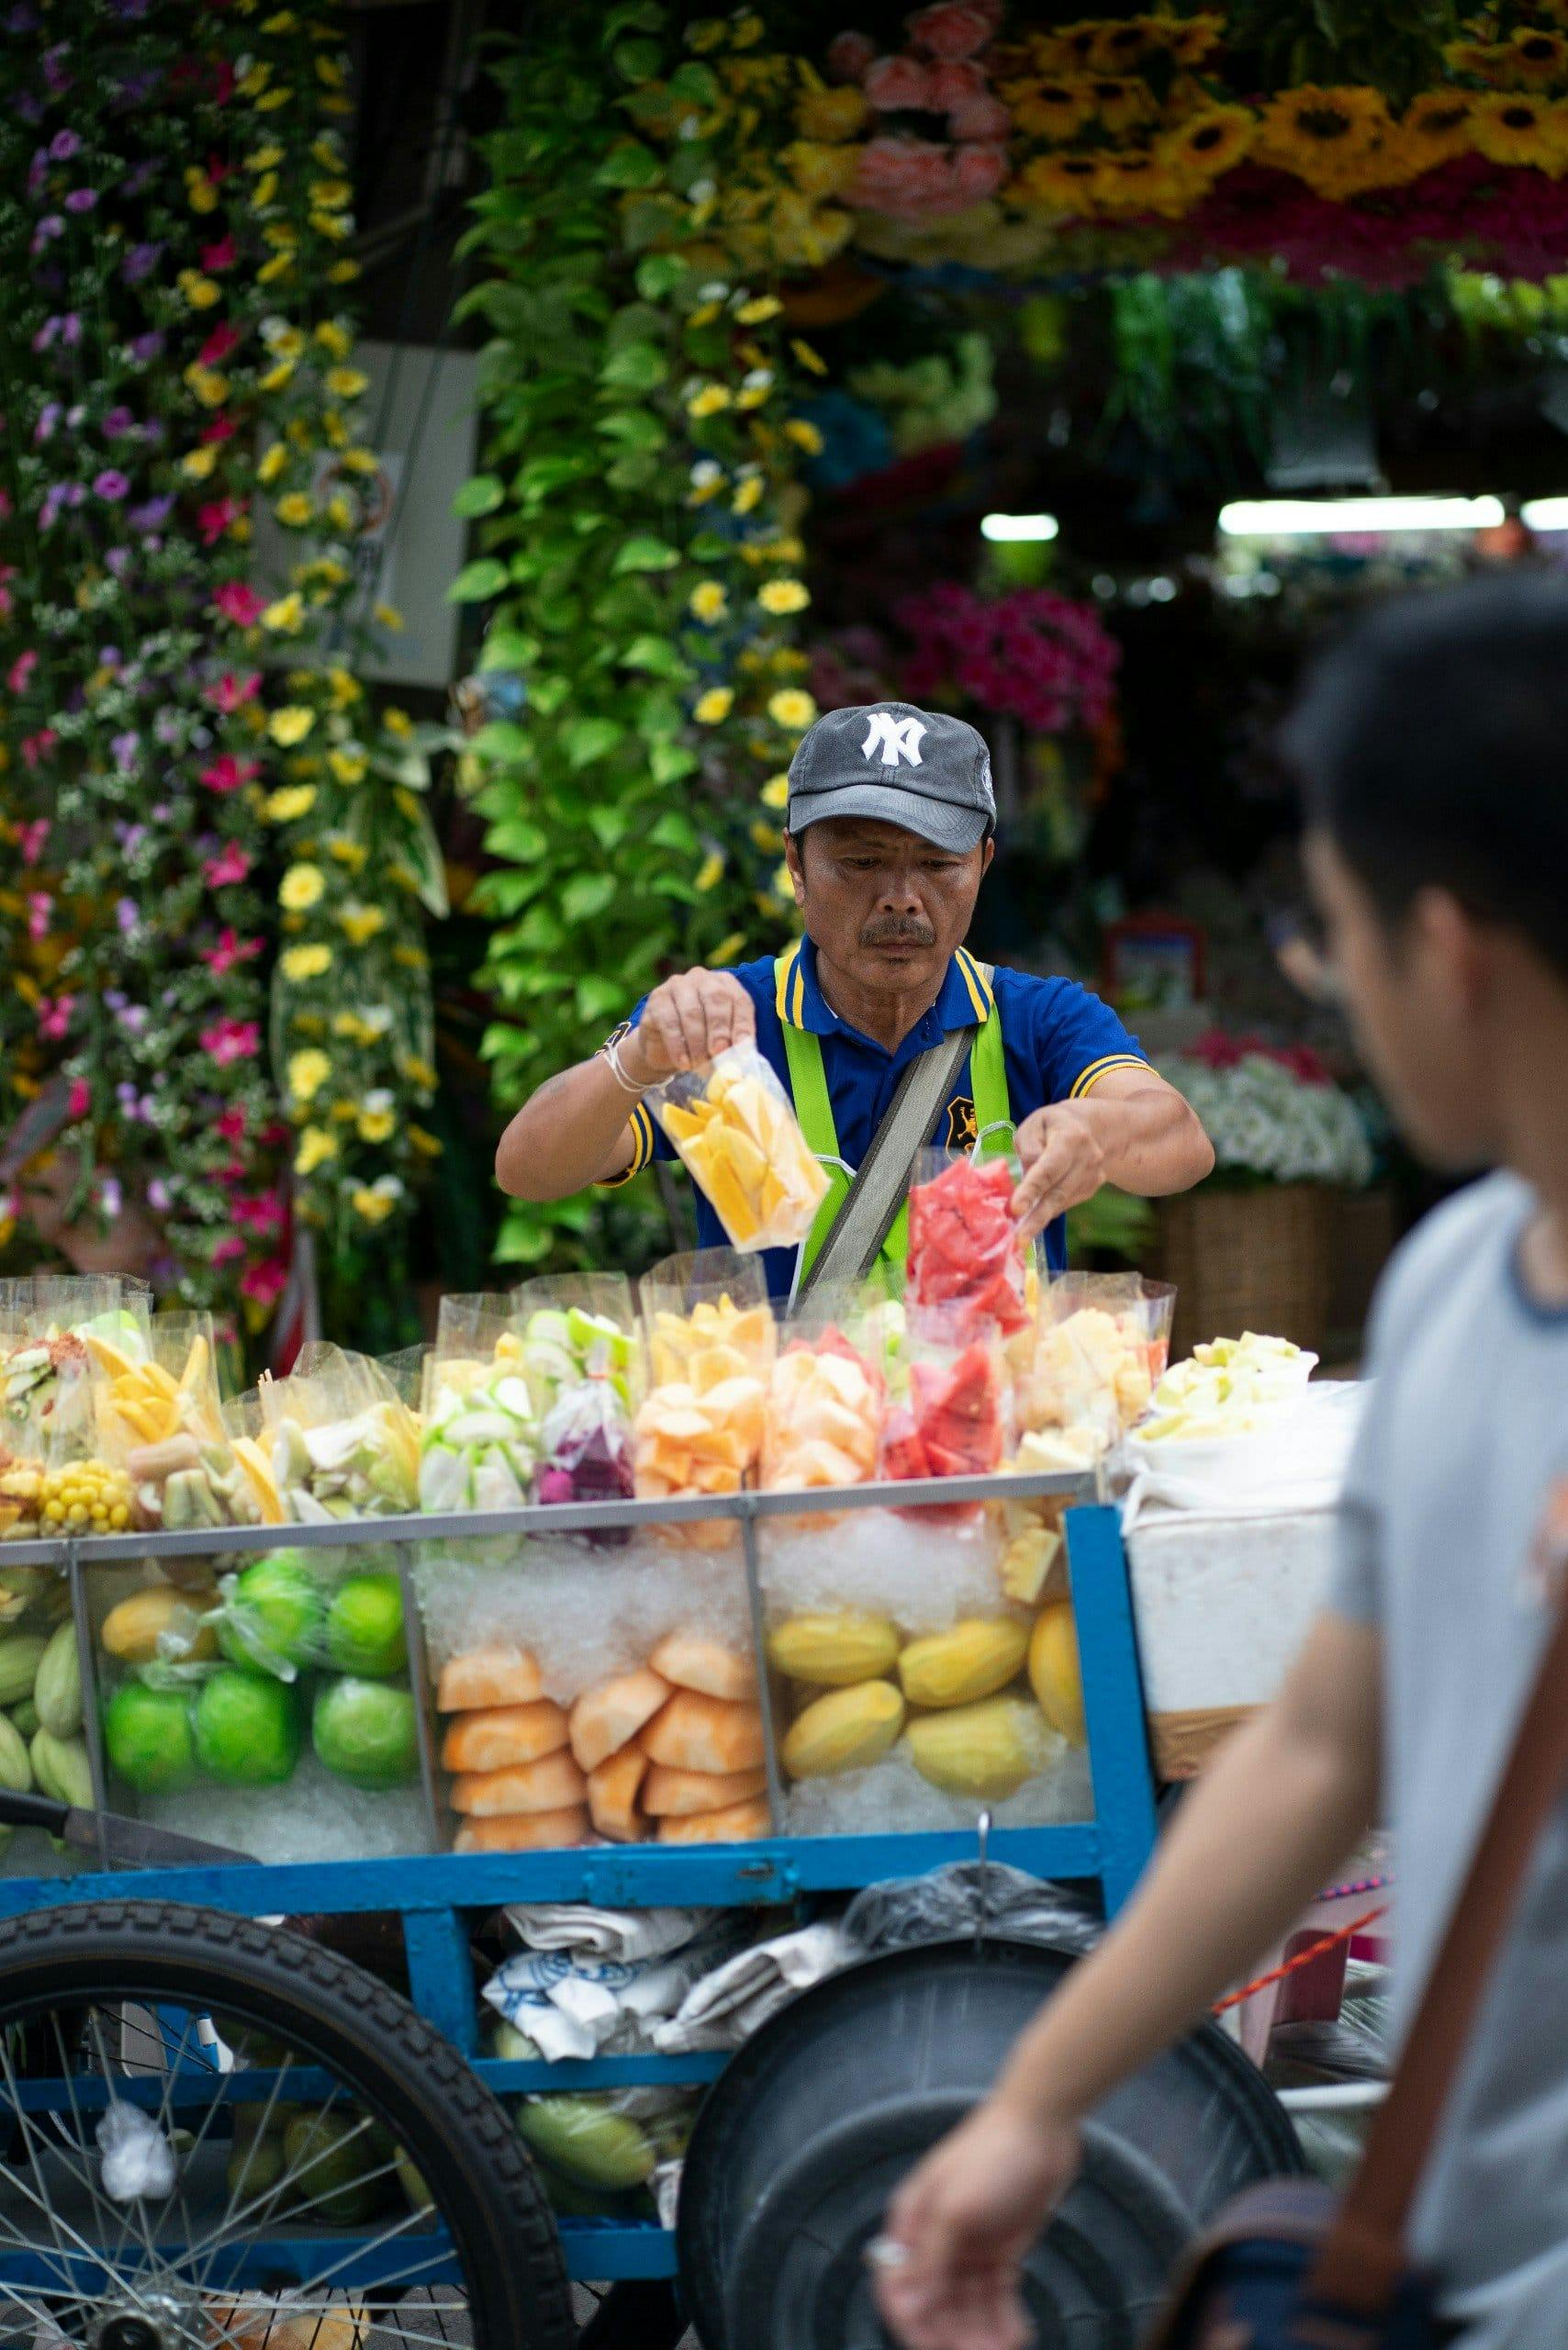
[(1255, 1839), (575, 1130), (1134, 1130)]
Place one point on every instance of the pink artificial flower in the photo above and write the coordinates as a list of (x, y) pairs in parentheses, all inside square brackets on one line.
[(223, 80), (230, 950), (274, 1136), (977, 172), (218, 430), (37, 746), (265, 1284), (894, 82), (227, 774), (232, 866), (55, 1016), (952, 28), (212, 520), (219, 345), (231, 693), (30, 839), (222, 255), (848, 55), (907, 179), (231, 1040), (228, 1248), (21, 669), (955, 84), (239, 602), (40, 905), (982, 117), (80, 1098), (231, 1125), (262, 1213)]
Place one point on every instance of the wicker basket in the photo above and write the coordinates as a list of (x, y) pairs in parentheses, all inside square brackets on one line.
[(1249, 1261)]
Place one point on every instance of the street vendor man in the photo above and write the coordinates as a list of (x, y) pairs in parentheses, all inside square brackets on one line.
[(890, 831)]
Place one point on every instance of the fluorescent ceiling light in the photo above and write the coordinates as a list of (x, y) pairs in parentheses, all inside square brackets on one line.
[(1545, 514), (1019, 526), (1270, 517)]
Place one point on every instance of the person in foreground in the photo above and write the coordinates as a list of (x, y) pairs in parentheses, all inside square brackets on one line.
[(890, 833), (1431, 748)]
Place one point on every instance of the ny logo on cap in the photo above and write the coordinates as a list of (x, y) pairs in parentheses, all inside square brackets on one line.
[(899, 737)]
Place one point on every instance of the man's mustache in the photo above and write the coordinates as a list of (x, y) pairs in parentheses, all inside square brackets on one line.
[(898, 933)]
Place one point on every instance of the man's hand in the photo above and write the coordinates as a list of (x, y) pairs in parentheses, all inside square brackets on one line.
[(962, 2224), (686, 1021), (1063, 1160)]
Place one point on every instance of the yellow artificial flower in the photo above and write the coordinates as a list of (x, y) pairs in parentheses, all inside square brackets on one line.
[(1438, 126), (282, 339), (286, 617), (316, 1147), (329, 224), (709, 602), (349, 767), (360, 461), (749, 494), (301, 888), (376, 1125), (792, 708), (419, 1071), (361, 924), (282, 235), (343, 1111), (334, 337), (832, 115), (714, 706), (783, 886), (1054, 110), (308, 962), (263, 192), (308, 1073), (707, 481), (200, 193), (807, 356), (251, 84), (761, 308), (343, 687), (299, 433), (200, 292), (339, 511), (754, 387), (293, 510), (1521, 130), (766, 837), (804, 434), (273, 100), (782, 595), (196, 463), (264, 159), (283, 22), (280, 266), (288, 805), (397, 721), (1329, 138), (329, 73), (343, 273), (1133, 179), (290, 725), (709, 400), (331, 195), (1213, 140), (373, 1206), (335, 430), (388, 616), (775, 792), (710, 872), (275, 378), (327, 153), (352, 853), (346, 383), (426, 1144), (271, 463), (1538, 59)]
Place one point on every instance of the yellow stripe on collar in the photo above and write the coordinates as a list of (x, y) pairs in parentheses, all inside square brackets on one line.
[(975, 980), (1086, 1079), (789, 969)]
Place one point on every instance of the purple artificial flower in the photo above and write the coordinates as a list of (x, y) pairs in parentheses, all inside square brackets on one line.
[(118, 421), (51, 225), (54, 73), (62, 146), (130, 12), (113, 1000), (70, 329), (131, 840), (137, 263), (132, 1017), (166, 726), (118, 561), (150, 515), (82, 199), (37, 169), (49, 416), (147, 347), (45, 334), (161, 815), (49, 512), (72, 494), (111, 658), (110, 483), (126, 914), (125, 748), (124, 1093), (159, 1199), (111, 1195)]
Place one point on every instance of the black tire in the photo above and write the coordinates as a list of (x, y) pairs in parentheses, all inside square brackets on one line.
[(411, 2079)]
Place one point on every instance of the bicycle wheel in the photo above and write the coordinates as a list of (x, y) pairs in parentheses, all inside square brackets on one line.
[(223, 2137)]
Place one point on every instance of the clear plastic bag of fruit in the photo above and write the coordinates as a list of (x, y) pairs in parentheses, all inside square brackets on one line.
[(826, 1396), (576, 1326), (479, 1428), (45, 1371), (735, 1129), (965, 1257), (711, 1340), (956, 1420), (343, 1443), (1117, 1323), (159, 1418)]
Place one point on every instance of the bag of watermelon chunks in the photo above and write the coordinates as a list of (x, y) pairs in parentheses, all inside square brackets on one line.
[(739, 1138), (957, 1421), (965, 1257)]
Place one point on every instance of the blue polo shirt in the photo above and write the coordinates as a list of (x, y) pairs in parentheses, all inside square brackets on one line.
[(1057, 1041)]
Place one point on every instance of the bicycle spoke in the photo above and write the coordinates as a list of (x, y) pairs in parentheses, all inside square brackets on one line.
[(298, 2211), (66, 2075), (60, 2228), (135, 2213), (268, 2202), (374, 2243)]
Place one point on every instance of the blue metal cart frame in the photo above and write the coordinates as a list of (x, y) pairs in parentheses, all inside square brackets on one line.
[(431, 1893)]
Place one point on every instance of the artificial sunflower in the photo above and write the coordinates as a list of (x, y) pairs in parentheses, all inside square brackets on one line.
[(1208, 144), (1438, 125), (1068, 184), (1541, 58), (1136, 180), (1053, 110), (1191, 39), (1329, 138), (1120, 104), (1522, 130), (1071, 46)]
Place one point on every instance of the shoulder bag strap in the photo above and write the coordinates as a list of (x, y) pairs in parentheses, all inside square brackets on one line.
[(1364, 2252)]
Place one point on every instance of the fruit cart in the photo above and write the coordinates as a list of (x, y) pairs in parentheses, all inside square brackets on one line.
[(182, 2075)]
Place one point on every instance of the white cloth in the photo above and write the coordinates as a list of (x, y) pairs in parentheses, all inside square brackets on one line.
[(624, 1934), (1296, 1464), (736, 1998), (570, 2005)]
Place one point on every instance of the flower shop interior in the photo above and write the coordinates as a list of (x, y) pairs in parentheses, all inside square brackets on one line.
[(448, 464)]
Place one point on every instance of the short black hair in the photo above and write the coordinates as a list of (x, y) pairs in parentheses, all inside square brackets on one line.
[(1431, 746)]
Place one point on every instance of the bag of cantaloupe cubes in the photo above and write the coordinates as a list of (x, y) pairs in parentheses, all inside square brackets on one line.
[(711, 1343), (737, 1133)]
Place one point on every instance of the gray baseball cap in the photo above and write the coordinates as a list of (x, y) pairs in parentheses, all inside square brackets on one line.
[(915, 767)]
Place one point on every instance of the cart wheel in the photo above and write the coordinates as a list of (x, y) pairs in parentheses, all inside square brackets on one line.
[(226, 2138)]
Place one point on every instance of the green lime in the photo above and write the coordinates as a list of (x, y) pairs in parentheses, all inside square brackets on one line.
[(273, 1614), (364, 1626), (147, 1736), (366, 1731), (247, 1728)]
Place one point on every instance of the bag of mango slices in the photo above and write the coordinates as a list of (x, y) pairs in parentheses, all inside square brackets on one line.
[(160, 1422), (737, 1131)]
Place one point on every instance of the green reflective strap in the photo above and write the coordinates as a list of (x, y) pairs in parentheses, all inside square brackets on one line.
[(988, 1075), (808, 1084)]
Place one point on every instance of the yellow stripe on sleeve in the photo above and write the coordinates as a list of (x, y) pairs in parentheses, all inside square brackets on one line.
[(642, 1125), (1088, 1078)]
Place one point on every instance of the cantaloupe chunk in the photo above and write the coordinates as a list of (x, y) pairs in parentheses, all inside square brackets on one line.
[(552, 1784), (699, 1733), (537, 1832), (613, 1796), (498, 1676), (678, 1793), (738, 1823), (692, 1660), (607, 1717), (498, 1736)]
